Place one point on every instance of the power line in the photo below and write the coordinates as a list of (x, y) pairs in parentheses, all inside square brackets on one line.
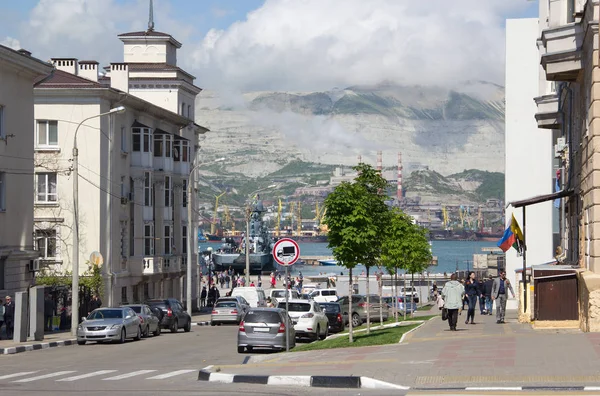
[(103, 190)]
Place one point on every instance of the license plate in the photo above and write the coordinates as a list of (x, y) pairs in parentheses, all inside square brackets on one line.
[(261, 329)]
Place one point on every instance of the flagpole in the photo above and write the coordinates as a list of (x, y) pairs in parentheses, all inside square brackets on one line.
[(524, 262)]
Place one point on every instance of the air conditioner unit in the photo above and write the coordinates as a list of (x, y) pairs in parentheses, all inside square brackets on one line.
[(124, 200), (34, 265)]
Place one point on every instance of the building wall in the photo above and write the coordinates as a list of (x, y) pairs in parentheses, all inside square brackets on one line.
[(163, 97), (528, 149)]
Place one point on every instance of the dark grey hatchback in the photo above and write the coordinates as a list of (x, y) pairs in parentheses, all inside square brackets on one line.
[(333, 311), (171, 314)]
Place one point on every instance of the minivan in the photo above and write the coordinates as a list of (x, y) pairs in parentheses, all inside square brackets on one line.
[(324, 295), (254, 295)]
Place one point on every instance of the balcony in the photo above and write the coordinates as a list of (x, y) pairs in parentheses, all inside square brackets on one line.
[(163, 164), (152, 265), (548, 115), (172, 264), (181, 167), (141, 159), (562, 53)]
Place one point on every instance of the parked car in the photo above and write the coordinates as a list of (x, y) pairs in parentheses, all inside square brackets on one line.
[(409, 291), (409, 307), (254, 295), (333, 311), (279, 294), (109, 324), (226, 311), (308, 288), (359, 308), (173, 316), (324, 295), (149, 320), (308, 319), (265, 328)]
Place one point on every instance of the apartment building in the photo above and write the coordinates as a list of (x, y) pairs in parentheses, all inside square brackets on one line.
[(18, 71), (134, 167)]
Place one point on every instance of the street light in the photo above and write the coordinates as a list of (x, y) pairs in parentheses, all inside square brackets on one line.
[(192, 235), (75, 269), (248, 214)]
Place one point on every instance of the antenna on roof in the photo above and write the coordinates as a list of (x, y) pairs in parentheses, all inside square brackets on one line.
[(151, 18)]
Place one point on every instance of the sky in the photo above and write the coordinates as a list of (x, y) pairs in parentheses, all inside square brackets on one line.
[(291, 45)]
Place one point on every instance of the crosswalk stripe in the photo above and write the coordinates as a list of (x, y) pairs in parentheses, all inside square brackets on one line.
[(88, 375), (17, 374), (171, 374), (128, 375), (39, 377)]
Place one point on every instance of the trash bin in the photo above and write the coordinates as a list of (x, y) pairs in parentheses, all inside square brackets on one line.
[(55, 323)]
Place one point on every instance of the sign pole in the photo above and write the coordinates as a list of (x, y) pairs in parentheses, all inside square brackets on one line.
[(287, 322)]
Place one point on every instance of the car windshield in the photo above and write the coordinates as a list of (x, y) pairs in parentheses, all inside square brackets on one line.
[(136, 309), (106, 314), (226, 304), (330, 308), (299, 307), (262, 317), (278, 293)]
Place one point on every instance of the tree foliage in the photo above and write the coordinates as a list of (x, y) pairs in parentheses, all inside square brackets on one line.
[(91, 278)]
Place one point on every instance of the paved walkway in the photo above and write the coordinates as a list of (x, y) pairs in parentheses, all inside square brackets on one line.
[(484, 354)]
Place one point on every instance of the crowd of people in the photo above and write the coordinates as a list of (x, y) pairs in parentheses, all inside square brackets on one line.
[(470, 291)]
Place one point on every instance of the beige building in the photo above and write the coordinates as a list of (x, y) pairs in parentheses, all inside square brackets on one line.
[(134, 167), (18, 71)]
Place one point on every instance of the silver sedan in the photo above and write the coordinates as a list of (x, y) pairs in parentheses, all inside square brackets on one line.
[(109, 324), (149, 321), (229, 311)]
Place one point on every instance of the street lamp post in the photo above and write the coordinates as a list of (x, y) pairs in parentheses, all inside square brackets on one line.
[(75, 269), (192, 236)]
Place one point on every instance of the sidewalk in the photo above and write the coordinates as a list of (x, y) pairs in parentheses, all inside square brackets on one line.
[(482, 355), (51, 340)]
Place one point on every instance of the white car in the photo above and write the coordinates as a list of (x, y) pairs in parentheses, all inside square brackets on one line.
[(308, 319), (279, 295), (410, 292), (324, 295)]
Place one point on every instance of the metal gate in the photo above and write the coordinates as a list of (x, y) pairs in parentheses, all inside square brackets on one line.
[(556, 295)]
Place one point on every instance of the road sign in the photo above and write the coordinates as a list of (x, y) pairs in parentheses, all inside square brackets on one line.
[(286, 251), (96, 259)]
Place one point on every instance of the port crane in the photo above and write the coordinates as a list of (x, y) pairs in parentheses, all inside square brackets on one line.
[(278, 223), (213, 223)]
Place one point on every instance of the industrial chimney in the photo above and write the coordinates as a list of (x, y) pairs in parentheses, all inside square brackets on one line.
[(399, 194), (379, 161)]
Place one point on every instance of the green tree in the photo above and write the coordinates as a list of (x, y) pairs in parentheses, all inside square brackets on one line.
[(91, 278), (354, 218)]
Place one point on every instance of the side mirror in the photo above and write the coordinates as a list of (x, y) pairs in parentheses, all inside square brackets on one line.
[(324, 310), (83, 318)]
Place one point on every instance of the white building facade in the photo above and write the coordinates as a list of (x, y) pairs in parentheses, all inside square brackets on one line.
[(134, 169), (18, 71)]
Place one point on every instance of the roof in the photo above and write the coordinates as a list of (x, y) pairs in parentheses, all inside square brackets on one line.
[(62, 79), (156, 66), (144, 33), (541, 198)]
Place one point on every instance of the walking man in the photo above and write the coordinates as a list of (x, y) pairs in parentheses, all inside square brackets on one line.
[(453, 293), (500, 289), (487, 293), (9, 316), (49, 308)]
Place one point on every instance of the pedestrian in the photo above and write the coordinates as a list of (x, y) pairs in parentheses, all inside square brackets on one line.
[(487, 293), (9, 316), (480, 285), (273, 281), (499, 292), (300, 280), (203, 297), (1, 317), (227, 281), (472, 293), (259, 281), (453, 293), (252, 284), (211, 296), (95, 303), (49, 308)]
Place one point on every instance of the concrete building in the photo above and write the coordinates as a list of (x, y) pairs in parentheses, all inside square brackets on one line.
[(134, 168), (529, 149), (18, 71)]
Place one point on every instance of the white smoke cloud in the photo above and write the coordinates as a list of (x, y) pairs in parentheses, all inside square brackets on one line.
[(11, 42)]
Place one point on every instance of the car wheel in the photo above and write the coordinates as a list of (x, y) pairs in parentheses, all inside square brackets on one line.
[(240, 349), (157, 331), (188, 326), (80, 342), (317, 334), (175, 326), (146, 332), (122, 339), (356, 320), (326, 334), (138, 336)]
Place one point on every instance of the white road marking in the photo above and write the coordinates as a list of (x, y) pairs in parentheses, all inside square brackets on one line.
[(88, 375), (128, 375), (39, 377), (171, 374), (17, 374)]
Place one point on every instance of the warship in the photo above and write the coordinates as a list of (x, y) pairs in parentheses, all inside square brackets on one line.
[(233, 255)]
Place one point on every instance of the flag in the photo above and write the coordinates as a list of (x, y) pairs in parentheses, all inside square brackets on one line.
[(513, 236), (557, 189)]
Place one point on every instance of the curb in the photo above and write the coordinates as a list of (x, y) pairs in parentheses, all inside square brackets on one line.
[(200, 323), (514, 388), (299, 380), (37, 347)]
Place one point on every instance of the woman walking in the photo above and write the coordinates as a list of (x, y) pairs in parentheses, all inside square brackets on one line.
[(472, 292)]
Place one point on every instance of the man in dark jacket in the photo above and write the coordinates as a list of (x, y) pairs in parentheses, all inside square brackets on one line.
[(481, 298), (487, 294), (203, 297), (9, 316), (49, 308)]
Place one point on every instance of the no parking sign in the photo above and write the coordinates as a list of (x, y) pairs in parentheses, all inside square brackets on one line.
[(286, 251)]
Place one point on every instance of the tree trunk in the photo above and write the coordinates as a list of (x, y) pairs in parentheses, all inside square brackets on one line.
[(368, 305), (396, 294), (404, 283), (412, 285), (350, 338), (380, 299)]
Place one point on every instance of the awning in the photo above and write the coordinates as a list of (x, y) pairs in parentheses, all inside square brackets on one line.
[(137, 124), (541, 198)]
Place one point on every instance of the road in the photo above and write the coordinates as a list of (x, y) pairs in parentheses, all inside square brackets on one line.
[(153, 366)]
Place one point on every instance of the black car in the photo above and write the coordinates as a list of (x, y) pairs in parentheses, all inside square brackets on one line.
[(333, 311), (171, 314)]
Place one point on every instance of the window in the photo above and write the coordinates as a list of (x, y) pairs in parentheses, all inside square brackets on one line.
[(189, 111), (2, 132), (46, 243), (2, 191), (185, 151), (123, 239), (184, 188), (168, 192), (124, 140), (168, 239), (168, 145), (149, 239), (147, 189), (158, 145), (184, 239), (141, 139), (46, 187), (182, 108), (123, 295), (47, 133), (123, 188)]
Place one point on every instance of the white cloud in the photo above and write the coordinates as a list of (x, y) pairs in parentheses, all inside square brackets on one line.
[(11, 42), (318, 44)]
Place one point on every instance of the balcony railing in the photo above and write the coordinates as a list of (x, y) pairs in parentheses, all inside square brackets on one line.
[(152, 265), (562, 57), (548, 115)]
